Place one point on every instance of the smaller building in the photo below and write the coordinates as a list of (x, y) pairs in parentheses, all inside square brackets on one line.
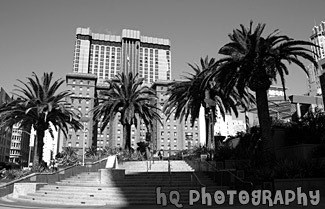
[(173, 134), (230, 126), (20, 149), (5, 135), (83, 87)]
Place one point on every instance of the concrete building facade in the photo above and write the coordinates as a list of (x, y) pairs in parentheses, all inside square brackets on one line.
[(99, 57), (173, 134), (106, 55), (19, 148), (82, 101), (5, 136), (317, 38)]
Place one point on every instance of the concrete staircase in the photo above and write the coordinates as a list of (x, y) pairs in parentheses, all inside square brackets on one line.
[(137, 188)]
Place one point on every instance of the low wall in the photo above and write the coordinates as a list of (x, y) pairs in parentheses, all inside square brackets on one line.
[(50, 178), (300, 151), (306, 184), (108, 175), (25, 188), (238, 164)]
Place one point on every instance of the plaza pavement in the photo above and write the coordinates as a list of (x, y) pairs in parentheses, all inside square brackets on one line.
[(8, 205)]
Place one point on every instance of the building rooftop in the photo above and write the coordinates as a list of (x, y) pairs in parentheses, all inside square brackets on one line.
[(126, 33)]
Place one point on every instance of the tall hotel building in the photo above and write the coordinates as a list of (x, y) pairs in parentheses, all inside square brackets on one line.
[(98, 57), (318, 38), (105, 55)]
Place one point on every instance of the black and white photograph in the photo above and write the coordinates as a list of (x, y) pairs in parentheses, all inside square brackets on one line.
[(118, 104)]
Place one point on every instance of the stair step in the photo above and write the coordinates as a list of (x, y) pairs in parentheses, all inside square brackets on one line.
[(138, 187)]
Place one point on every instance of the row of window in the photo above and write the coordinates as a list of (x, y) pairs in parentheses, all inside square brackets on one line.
[(74, 81), (14, 152), (15, 137), (15, 145)]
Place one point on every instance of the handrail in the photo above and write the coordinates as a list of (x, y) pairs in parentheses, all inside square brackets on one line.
[(229, 171), (198, 180), (34, 174)]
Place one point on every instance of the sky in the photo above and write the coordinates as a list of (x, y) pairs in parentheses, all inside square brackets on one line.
[(38, 35)]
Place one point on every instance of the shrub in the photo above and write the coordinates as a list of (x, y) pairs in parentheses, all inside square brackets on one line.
[(319, 151), (288, 169), (15, 174), (126, 155)]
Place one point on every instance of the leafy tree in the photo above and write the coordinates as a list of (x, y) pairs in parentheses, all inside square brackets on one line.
[(189, 95), (39, 104), (254, 61), (134, 101)]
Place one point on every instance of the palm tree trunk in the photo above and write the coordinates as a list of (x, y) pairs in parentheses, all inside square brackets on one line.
[(127, 136), (264, 118), (35, 158), (40, 145), (38, 148)]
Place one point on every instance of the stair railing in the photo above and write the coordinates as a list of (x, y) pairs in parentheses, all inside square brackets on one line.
[(169, 171), (248, 185), (195, 178), (230, 179)]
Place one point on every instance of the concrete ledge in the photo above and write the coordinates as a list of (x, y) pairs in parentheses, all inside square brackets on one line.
[(307, 184), (25, 188), (108, 175)]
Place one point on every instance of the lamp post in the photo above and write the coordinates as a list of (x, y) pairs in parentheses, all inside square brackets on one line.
[(30, 149), (84, 120)]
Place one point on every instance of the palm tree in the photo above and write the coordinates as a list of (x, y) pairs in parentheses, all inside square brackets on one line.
[(69, 156), (254, 61), (135, 102), (92, 152), (39, 104), (188, 96)]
